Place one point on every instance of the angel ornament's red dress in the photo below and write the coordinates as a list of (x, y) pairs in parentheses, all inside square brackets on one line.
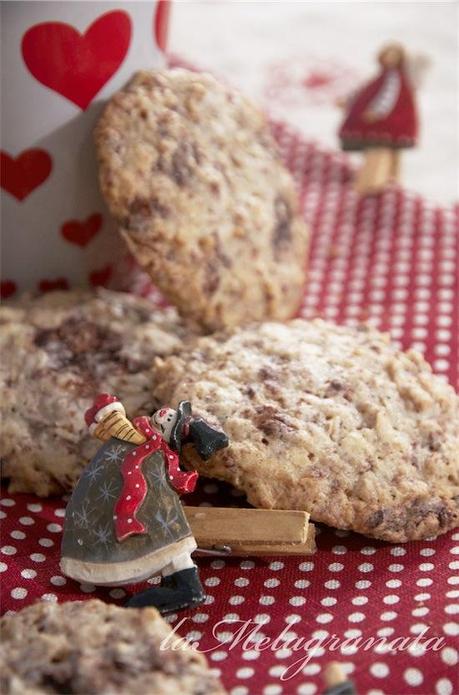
[(381, 120)]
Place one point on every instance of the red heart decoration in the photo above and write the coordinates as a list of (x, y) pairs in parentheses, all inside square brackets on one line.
[(50, 285), (81, 233), (161, 23), (22, 175), (77, 65), (7, 288), (101, 277)]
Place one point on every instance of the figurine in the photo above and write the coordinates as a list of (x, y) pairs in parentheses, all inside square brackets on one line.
[(124, 522), (381, 120)]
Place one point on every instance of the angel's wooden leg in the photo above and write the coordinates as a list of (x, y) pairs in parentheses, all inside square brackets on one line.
[(376, 171)]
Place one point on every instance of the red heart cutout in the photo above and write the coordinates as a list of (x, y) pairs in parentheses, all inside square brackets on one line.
[(77, 65), (101, 277), (7, 288), (81, 233), (161, 24), (50, 285), (22, 175)]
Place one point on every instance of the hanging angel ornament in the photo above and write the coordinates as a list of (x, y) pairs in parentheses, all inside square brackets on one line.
[(381, 119), (124, 522)]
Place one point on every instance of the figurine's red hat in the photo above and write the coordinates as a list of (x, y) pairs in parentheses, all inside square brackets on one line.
[(100, 403)]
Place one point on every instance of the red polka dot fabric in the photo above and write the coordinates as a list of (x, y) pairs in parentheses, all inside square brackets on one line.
[(387, 613)]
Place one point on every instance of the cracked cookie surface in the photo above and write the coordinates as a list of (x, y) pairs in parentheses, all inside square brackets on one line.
[(86, 647), (193, 177), (58, 352), (333, 420)]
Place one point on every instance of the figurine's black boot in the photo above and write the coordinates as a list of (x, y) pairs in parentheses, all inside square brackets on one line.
[(177, 591)]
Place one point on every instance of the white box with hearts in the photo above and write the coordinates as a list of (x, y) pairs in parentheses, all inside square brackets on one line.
[(61, 61)]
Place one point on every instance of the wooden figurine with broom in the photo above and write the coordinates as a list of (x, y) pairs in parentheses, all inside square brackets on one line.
[(124, 522)]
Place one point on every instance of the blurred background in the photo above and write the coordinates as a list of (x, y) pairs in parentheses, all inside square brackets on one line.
[(298, 58)]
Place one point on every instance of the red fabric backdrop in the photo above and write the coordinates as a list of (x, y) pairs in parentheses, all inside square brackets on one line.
[(391, 260)]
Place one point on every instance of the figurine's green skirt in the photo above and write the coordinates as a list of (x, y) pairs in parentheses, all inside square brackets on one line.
[(115, 574)]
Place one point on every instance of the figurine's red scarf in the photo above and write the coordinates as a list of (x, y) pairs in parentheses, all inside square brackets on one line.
[(135, 486)]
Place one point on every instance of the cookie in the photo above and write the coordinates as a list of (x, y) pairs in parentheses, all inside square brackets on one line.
[(193, 177), (84, 647), (332, 420), (58, 352)]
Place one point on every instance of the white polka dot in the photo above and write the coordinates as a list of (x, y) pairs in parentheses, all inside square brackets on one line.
[(360, 600), (200, 617), (250, 655), (292, 619), (52, 598), (236, 600), (366, 567), (217, 564), (117, 593), (266, 600), (443, 687), (87, 588), (307, 689), (362, 584), (241, 581), (328, 601), (306, 566), (26, 521), (212, 581), (332, 584), (339, 549), (297, 601), (3, 567), (245, 672), (218, 656), (277, 565), (34, 507), (311, 669), (397, 550), (28, 574), (336, 567), (302, 583), (7, 502), (395, 568), (8, 550), (19, 592), (18, 535), (452, 609), (324, 618), (391, 598), (46, 542), (426, 566), (424, 582), (385, 631), (451, 629), (57, 580), (388, 615), (59, 512), (356, 617), (449, 656), (37, 557), (379, 670), (418, 628), (393, 583), (247, 565), (368, 550), (413, 676)]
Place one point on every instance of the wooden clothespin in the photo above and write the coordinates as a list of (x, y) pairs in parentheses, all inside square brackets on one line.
[(336, 681), (236, 531)]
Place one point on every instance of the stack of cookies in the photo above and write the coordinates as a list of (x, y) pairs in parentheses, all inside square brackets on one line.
[(331, 420), (315, 412)]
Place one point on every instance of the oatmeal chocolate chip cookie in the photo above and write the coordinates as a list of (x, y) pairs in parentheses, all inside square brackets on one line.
[(190, 172), (86, 647), (332, 420), (58, 352)]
